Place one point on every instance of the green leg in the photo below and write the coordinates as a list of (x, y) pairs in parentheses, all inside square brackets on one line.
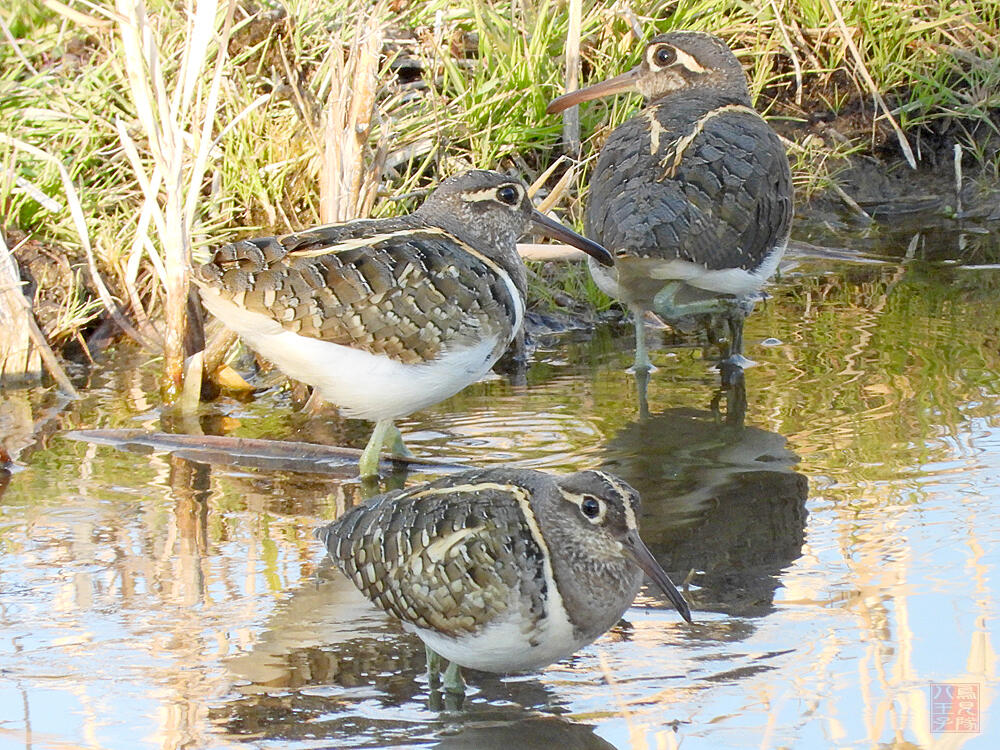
[(731, 309), (665, 304), (433, 668), (394, 441), (734, 361), (642, 363), (453, 682), (368, 465)]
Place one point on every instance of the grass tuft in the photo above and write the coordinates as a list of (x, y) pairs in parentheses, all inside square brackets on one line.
[(247, 130)]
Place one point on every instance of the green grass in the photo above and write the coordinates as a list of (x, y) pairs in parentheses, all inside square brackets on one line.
[(487, 71)]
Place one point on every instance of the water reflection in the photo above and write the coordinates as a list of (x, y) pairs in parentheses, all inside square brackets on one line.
[(329, 665), (719, 498), (147, 602), (534, 733)]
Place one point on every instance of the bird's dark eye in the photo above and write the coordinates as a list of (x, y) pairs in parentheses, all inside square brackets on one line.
[(508, 194), (590, 506), (665, 55)]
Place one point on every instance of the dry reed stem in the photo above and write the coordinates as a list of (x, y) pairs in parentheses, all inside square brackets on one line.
[(558, 191), (171, 121), (78, 18), (348, 184), (554, 251), (18, 358), (16, 47), (571, 117), (544, 176)]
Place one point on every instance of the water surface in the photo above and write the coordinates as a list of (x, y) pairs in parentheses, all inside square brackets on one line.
[(840, 548)]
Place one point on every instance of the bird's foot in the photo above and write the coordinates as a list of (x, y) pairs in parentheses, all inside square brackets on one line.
[(667, 305), (735, 361), (637, 369)]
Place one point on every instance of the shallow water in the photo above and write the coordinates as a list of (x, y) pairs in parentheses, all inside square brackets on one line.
[(841, 548)]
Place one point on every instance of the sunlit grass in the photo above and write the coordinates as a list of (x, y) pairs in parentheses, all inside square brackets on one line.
[(481, 77)]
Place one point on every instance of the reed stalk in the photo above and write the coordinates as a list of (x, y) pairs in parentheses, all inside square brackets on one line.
[(177, 117), (351, 170)]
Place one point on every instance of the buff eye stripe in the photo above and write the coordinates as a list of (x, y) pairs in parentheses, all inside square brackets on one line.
[(683, 58), (624, 492), (354, 244), (491, 194)]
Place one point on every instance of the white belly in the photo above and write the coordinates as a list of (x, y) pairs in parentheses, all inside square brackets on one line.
[(634, 280), (363, 385), (505, 647)]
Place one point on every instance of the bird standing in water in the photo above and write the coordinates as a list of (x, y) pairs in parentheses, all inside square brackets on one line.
[(500, 570), (385, 317), (693, 195)]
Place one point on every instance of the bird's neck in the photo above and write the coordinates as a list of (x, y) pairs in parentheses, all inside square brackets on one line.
[(698, 101), (500, 247), (595, 588)]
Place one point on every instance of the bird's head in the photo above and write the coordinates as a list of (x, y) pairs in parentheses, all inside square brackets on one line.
[(672, 62), (489, 211)]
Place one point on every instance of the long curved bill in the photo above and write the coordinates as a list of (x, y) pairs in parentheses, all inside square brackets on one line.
[(641, 556), (624, 82), (557, 231)]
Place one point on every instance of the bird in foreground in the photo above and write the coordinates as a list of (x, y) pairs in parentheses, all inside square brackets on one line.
[(500, 570), (385, 317), (693, 195)]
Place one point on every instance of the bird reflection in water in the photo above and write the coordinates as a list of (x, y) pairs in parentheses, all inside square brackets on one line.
[(328, 665), (720, 498)]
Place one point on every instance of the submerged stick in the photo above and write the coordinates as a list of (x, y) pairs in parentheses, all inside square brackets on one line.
[(254, 452)]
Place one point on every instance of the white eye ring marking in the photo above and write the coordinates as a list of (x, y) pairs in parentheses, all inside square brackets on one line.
[(592, 503)]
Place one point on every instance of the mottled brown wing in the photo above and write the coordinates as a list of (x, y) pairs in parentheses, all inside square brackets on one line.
[(382, 287), (443, 559)]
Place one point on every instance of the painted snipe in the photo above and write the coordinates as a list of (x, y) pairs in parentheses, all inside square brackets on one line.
[(500, 570), (385, 317), (693, 195)]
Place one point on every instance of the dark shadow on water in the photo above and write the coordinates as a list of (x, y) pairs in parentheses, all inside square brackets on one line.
[(719, 498)]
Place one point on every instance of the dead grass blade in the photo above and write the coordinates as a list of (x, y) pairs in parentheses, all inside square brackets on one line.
[(862, 69), (349, 181)]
